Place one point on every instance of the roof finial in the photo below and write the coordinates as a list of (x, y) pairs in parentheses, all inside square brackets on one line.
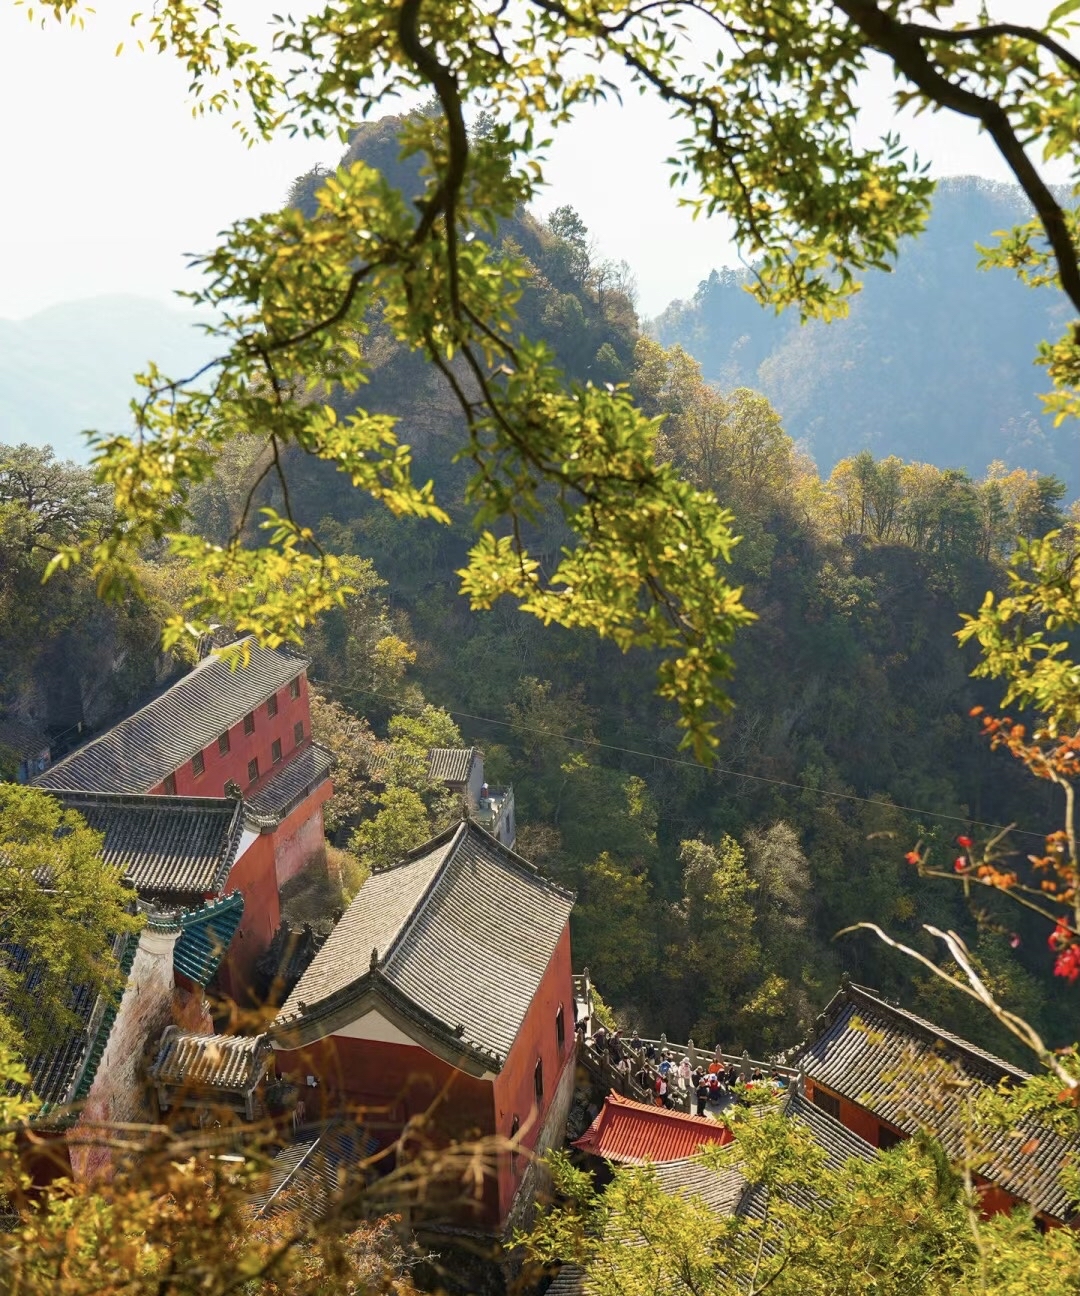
[(374, 959), (845, 980)]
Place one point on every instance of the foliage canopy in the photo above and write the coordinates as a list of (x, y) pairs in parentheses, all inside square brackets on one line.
[(768, 113)]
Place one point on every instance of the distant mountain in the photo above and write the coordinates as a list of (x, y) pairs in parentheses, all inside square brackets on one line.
[(70, 368), (934, 362)]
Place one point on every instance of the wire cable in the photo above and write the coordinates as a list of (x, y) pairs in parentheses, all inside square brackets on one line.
[(717, 769)]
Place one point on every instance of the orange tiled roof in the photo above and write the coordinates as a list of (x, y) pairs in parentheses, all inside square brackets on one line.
[(634, 1133)]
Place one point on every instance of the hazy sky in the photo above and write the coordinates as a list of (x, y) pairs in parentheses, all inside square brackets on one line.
[(110, 180)]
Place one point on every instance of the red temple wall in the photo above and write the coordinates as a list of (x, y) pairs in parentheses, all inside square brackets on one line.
[(233, 764), (405, 1081), (393, 1084), (855, 1118), (300, 838), (536, 1039), (994, 1200), (253, 874)]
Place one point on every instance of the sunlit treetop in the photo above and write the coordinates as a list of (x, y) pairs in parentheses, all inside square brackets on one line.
[(768, 97)]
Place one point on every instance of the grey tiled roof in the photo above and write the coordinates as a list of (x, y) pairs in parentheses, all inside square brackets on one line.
[(450, 764), (55, 1071), (309, 1176), (229, 1062), (720, 1188), (464, 930), (292, 783), (839, 1144), (166, 846), (570, 1281), (726, 1190), (21, 737), (136, 754), (881, 1057)]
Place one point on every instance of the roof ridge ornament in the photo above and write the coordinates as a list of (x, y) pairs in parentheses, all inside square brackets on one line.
[(374, 959)]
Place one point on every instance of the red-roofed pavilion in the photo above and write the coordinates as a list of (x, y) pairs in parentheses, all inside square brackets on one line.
[(633, 1133)]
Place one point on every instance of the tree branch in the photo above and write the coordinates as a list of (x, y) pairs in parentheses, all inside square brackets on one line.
[(902, 43)]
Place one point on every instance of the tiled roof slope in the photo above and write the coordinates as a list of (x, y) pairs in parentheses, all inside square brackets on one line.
[(55, 1071), (205, 937), (720, 1188), (307, 1176), (292, 783), (570, 1281), (136, 754), (879, 1056), (839, 1144), (633, 1133), (229, 1062), (450, 764), (724, 1188), (166, 846), (64, 1073), (464, 930)]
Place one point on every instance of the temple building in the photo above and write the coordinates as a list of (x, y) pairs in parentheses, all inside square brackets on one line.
[(442, 1004), (228, 744), (462, 770), (626, 1132), (885, 1073)]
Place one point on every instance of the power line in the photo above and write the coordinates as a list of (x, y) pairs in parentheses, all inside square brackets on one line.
[(716, 769)]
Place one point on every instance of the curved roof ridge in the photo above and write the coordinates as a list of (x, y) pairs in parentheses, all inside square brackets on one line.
[(456, 837), (418, 852), (531, 870), (139, 800), (854, 993), (664, 1114)]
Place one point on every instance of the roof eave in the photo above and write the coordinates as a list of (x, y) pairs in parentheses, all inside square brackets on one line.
[(370, 991)]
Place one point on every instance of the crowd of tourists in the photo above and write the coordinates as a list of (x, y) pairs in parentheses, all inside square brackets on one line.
[(681, 1082)]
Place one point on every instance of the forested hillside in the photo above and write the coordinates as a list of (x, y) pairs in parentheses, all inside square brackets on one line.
[(934, 363), (708, 899)]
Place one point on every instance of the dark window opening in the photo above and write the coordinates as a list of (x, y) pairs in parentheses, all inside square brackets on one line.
[(560, 1028), (275, 750), (827, 1102), (253, 769), (170, 785), (298, 732), (198, 765), (514, 1154), (249, 723), (294, 688), (223, 743), (538, 1081), (271, 705), (886, 1138)]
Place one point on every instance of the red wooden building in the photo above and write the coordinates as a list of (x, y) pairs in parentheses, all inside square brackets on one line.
[(233, 734), (444, 998), (885, 1073)]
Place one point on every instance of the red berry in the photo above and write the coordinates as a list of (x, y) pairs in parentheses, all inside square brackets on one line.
[(965, 842)]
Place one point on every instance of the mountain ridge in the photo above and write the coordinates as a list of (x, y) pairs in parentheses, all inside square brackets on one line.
[(934, 363)]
